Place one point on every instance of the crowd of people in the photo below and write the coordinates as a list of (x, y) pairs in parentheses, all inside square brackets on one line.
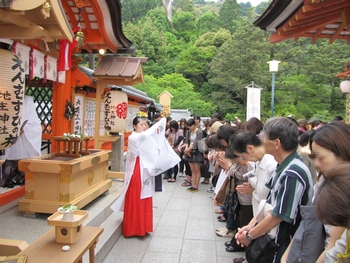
[(265, 178)]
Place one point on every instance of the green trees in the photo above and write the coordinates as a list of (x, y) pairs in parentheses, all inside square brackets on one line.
[(133, 10), (184, 95), (212, 51)]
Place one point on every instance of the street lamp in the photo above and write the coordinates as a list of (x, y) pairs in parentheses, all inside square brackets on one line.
[(273, 65), (345, 88)]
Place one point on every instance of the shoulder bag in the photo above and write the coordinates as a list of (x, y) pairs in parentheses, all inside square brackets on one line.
[(264, 248), (202, 146), (232, 203), (309, 239), (261, 250), (222, 193), (345, 257)]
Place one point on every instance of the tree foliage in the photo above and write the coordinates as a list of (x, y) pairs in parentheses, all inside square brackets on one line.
[(212, 51), (181, 89), (133, 10)]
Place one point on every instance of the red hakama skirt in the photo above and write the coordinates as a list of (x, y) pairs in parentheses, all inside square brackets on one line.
[(138, 213)]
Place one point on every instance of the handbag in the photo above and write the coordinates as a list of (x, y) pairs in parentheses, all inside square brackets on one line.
[(309, 239), (232, 204), (261, 250), (232, 208), (345, 257), (202, 146), (264, 248), (222, 193)]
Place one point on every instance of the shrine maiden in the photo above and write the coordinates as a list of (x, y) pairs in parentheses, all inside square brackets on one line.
[(149, 154)]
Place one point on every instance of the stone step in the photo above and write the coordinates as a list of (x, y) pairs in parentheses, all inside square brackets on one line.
[(101, 215), (99, 209), (111, 233)]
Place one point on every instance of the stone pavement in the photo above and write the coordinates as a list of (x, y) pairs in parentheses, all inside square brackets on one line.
[(184, 228), (184, 231)]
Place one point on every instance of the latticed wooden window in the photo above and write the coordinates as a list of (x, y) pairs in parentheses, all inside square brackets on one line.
[(42, 95)]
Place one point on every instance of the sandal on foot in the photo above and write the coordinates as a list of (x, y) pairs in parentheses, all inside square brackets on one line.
[(186, 184), (218, 211), (222, 219), (238, 260)]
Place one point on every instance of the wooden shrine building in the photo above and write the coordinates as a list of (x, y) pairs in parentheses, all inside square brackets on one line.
[(51, 37)]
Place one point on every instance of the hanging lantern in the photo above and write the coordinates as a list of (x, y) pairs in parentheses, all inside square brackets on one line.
[(79, 35), (80, 38), (116, 109), (345, 86), (12, 83)]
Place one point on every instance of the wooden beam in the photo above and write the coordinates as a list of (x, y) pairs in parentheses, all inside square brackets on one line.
[(56, 32), (305, 27), (318, 32), (26, 4), (61, 19), (11, 17), (34, 32), (87, 22), (88, 48), (69, 13), (316, 14), (94, 38), (115, 175), (21, 27), (336, 33), (312, 5)]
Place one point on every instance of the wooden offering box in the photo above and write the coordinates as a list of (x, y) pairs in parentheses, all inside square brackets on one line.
[(68, 232), (53, 181)]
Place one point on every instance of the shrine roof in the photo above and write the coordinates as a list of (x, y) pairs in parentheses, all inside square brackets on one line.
[(131, 91), (50, 20), (87, 71), (306, 18), (34, 19), (119, 66), (126, 70)]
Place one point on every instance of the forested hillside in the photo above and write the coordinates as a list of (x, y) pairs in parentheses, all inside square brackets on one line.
[(211, 51)]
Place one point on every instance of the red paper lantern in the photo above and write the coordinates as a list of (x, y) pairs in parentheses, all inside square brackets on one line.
[(12, 83), (116, 111)]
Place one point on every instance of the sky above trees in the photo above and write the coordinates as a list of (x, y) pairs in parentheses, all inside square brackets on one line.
[(253, 2)]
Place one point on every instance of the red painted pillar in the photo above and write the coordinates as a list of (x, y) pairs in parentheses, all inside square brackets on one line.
[(61, 93)]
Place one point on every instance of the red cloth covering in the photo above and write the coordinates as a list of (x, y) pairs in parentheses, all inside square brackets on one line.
[(66, 48), (138, 213)]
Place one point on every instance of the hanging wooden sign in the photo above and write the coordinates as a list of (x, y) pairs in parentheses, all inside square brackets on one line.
[(12, 83)]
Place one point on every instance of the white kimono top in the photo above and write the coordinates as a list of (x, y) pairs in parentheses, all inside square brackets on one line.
[(156, 156)]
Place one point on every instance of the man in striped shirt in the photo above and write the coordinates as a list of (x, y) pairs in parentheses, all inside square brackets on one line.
[(290, 186)]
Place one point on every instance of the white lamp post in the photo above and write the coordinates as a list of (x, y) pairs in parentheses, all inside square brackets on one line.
[(345, 88), (273, 65)]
